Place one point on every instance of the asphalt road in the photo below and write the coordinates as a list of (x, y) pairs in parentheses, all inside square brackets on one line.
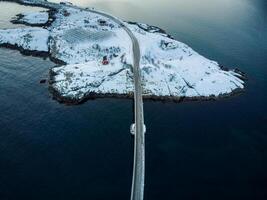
[(139, 143)]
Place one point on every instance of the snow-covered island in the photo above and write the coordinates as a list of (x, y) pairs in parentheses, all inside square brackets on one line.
[(32, 18), (94, 57)]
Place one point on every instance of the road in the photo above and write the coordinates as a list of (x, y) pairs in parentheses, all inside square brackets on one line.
[(138, 179)]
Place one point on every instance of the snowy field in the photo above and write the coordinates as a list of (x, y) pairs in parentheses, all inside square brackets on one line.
[(33, 18), (98, 57)]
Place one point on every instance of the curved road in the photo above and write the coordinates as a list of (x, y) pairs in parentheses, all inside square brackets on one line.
[(137, 192), (138, 180)]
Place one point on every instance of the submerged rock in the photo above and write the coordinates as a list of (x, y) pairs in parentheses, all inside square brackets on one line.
[(42, 81)]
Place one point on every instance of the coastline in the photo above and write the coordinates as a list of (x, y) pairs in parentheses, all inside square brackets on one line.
[(93, 95)]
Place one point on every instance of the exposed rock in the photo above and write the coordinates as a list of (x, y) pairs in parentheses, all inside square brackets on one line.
[(42, 81)]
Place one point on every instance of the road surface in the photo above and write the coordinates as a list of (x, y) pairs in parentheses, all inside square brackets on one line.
[(138, 180)]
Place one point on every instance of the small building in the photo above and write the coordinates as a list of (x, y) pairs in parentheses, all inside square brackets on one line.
[(102, 22), (105, 60)]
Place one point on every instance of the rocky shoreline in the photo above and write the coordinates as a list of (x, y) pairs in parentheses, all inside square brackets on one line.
[(165, 99), (34, 53), (93, 95), (151, 29), (56, 95)]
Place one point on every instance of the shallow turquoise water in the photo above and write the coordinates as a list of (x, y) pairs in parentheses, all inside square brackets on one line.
[(194, 150)]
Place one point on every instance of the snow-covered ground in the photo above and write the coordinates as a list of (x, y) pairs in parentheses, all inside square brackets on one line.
[(171, 68), (34, 38), (98, 57), (33, 18)]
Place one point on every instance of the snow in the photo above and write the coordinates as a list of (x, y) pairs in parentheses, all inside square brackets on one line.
[(34, 39), (171, 68), (79, 37), (34, 18), (74, 80)]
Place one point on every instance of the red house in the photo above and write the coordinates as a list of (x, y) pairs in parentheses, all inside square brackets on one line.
[(105, 60)]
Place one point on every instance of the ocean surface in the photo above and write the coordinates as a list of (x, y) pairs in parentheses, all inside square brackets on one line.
[(213, 150)]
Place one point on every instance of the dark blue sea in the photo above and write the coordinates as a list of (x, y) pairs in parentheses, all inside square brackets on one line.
[(213, 150)]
